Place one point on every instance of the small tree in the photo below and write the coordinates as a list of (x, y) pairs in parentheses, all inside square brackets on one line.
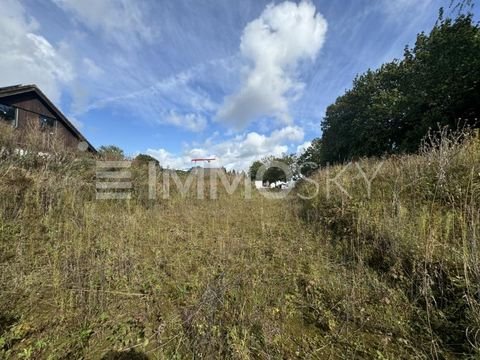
[(111, 152), (144, 159), (254, 169), (275, 172), (310, 160)]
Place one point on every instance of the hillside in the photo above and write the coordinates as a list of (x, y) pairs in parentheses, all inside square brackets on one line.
[(390, 276)]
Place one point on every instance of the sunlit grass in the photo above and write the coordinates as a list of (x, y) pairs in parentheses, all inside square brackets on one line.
[(391, 276)]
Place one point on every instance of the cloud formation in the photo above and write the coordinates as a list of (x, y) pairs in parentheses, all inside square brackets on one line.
[(189, 121), (236, 153), (122, 21), (174, 100), (274, 45), (27, 57), (303, 147)]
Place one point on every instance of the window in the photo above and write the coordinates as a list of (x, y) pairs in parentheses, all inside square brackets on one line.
[(8, 114), (48, 129), (47, 124)]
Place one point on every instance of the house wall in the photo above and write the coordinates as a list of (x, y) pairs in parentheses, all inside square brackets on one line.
[(30, 108)]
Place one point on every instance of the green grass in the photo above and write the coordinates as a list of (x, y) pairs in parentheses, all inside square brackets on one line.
[(387, 277)]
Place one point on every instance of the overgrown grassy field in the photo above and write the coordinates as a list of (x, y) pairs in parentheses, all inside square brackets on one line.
[(393, 275)]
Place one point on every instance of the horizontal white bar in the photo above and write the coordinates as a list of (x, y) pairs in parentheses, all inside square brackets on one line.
[(114, 174), (113, 164), (114, 185)]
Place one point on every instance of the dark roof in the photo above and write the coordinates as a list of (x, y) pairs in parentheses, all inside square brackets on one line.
[(22, 89)]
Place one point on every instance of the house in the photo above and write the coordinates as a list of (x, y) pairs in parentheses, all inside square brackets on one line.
[(26, 108)]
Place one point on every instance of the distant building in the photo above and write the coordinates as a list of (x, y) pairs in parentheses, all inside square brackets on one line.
[(259, 184), (26, 108), (274, 185)]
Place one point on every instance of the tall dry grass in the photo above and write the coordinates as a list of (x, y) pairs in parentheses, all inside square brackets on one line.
[(393, 275), (169, 278), (417, 232)]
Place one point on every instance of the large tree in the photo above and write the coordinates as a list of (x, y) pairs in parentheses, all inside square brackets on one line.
[(390, 110)]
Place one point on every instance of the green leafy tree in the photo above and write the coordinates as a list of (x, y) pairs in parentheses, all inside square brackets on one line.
[(273, 173), (311, 158), (277, 168), (111, 152), (253, 170), (391, 109), (444, 85)]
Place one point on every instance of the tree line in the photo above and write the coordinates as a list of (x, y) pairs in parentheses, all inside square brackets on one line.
[(391, 109)]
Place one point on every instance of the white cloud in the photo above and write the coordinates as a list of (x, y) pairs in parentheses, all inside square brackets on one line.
[(169, 160), (174, 100), (303, 147), (236, 153), (189, 121), (274, 44), (28, 57), (120, 20)]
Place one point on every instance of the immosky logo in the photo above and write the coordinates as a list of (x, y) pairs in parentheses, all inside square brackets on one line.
[(114, 181)]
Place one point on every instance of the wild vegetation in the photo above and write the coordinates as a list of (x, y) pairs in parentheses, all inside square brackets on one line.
[(389, 275), (374, 259), (409, 239), (167, 278)]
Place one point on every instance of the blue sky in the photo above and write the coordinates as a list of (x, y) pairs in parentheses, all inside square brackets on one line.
[(180, 79)]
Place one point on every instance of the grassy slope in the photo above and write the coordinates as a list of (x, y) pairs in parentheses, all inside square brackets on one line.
[(393, 276), (418, 233)]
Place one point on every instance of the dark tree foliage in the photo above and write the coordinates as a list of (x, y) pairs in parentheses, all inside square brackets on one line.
[(390, 110), (145, 159), (276, 173), (254, 169), (273, 171), (462, 5), (311, 159)]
